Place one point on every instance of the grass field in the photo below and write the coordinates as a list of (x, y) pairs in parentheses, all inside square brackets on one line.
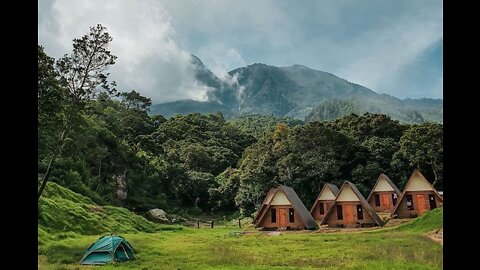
[(174, 247)]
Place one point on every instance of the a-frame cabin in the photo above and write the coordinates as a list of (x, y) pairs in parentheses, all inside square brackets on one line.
[(282, 209), (418, 197), (324, 200), (351, 209), (384, 195)]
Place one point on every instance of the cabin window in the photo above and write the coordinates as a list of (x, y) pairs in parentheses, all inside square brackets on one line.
[(339, 212), (377, 199), (273, 215), (359, 212), (322, 211), (291, 215), (409, 202), (394, 199)]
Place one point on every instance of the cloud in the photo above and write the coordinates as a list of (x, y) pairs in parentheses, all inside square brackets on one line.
[(149, 59), (222, 60), (372, 42), (384, 53)]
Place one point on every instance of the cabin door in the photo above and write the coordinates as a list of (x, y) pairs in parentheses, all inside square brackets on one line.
[(349, 214), (282, 217), (422, 206), (433, 202), (385, 201)]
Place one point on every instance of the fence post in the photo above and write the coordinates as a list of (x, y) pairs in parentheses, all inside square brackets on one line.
[(198, 224), (239, 223), (212, 223)]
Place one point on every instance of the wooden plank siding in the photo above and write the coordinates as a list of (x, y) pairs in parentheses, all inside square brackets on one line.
[(266, 221), (316, 210), (382, 207), (402, 210), (333, 221)]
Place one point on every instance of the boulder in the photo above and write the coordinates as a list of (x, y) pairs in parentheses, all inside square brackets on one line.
[(121, 187), (121, 195), (158, 215)]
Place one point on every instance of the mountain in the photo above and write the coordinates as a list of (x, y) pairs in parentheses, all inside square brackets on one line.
[(295, 91), (187, 106)]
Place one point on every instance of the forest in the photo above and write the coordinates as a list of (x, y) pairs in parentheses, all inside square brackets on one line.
[(102, 142)]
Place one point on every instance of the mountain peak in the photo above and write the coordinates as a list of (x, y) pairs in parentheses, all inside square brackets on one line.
[(258, 65), (295, 91), (299, 66), (195, 60)]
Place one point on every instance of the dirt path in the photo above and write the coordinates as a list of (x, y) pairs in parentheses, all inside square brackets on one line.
[(436, 236)]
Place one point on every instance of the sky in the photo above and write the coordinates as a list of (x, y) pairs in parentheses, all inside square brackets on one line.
[(389, 46)]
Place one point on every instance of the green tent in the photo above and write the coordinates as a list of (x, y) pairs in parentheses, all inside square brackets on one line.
[(110, 248)]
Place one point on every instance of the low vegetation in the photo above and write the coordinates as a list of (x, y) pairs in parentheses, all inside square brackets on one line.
[(426, 223), (225, 247), (62, 210)]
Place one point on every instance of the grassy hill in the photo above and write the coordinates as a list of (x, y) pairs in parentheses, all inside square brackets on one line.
[(62, 210), (432, 220)]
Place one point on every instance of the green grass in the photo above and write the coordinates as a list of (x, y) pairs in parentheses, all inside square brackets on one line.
[(433, 220), (62, 210), (402, 247), (217, 249)]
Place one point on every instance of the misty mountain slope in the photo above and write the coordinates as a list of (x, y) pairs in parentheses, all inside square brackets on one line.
[(295, 91), (264, 90), (187, 106)]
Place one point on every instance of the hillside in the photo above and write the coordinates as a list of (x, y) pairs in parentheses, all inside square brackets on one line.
[(295, 91), (62, 210), (430, 221)]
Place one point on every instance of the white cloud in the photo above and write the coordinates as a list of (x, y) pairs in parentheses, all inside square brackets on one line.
[(222, 60), (149, 59), (372, 42), (382, 53)]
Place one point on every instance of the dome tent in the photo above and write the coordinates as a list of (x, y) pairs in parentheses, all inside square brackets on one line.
[(109, 248)]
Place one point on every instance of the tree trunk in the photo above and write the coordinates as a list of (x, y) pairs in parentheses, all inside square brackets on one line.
[(100, 169), (434, 168), (50, 165)]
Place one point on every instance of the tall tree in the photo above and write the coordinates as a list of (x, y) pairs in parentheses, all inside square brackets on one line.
[(422, 146), (84, 75), (133, 99), (51, 104), (85, 70)]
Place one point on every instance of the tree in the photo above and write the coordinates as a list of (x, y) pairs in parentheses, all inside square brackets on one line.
[(84, 75), (422, 146), (51, 105), (368, 125), (301, 157), (84, 71), (332, 109), (222, 197), (133, 99)]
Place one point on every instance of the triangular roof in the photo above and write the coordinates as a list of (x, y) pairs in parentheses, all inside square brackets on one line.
[(334, 189), (294, 200), (389, 181), (362, 200), (416, 174)]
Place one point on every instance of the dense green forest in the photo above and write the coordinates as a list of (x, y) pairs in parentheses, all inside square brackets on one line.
[(102, 143)]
